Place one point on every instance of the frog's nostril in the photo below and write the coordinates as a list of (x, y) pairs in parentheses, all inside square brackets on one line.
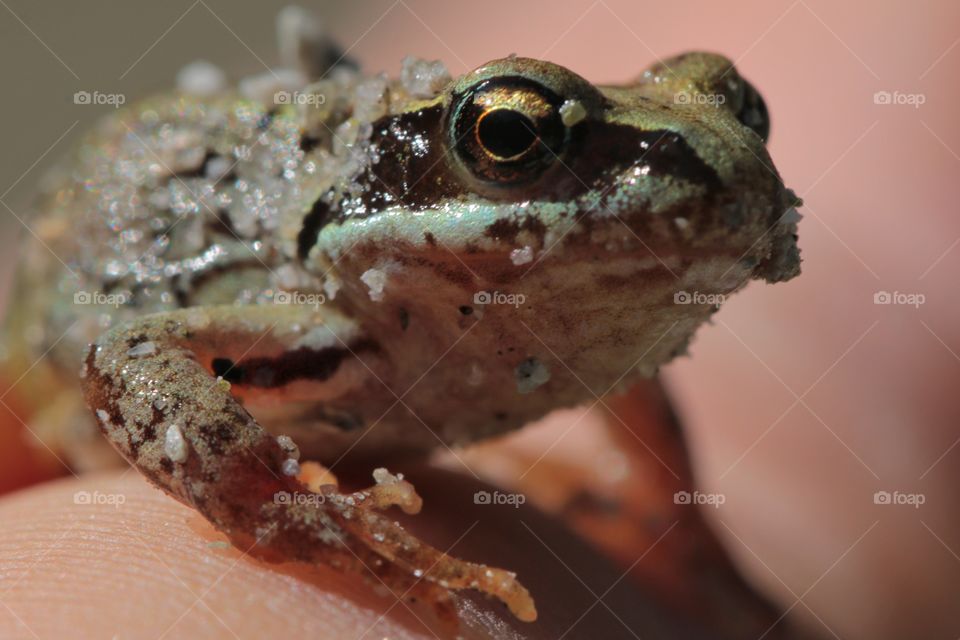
[(753, 112)]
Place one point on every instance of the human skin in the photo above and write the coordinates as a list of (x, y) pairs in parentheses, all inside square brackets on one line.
[(150, 567)]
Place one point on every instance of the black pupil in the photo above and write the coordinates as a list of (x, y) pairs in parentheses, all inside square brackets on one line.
[(506, 133)]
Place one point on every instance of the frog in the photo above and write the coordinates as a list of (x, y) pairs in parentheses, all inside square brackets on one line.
[(318, 265)]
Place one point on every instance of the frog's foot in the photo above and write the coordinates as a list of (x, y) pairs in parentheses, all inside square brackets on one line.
[(390, 491), (359, 517), (185, 430)]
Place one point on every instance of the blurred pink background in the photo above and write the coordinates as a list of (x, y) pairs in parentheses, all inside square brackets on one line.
[(803, 399)]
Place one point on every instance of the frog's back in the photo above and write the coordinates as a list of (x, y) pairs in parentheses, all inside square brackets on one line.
[(193, 197), (176, 201)]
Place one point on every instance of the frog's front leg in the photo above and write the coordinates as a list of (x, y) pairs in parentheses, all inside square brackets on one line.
[(152, 386)]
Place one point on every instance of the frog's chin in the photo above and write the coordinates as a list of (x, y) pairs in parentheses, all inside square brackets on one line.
[(519, 336)]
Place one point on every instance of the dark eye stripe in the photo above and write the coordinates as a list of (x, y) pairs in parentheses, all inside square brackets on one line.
[(416, 174)]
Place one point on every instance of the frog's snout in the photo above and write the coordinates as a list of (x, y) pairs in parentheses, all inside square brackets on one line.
[(703, 79)]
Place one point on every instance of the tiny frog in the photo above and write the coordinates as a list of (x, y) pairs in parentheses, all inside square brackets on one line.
[(319, 264)]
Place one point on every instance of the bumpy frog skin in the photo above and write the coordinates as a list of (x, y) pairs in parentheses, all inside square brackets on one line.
[(376, 267)]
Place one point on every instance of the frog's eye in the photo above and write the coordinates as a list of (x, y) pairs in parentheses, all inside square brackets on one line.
[(753, 113), (507, 130)]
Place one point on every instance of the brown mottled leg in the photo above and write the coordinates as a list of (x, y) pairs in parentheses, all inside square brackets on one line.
[(688, 566), (151, 387), (614, 483)]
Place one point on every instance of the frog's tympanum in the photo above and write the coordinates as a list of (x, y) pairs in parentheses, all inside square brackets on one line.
[(318, 264)]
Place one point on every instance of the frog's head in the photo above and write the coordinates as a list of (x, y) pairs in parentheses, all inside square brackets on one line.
[(597, 205), (525, 153)]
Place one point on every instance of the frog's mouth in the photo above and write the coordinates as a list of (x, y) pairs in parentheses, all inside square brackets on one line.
[(465, 239)]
